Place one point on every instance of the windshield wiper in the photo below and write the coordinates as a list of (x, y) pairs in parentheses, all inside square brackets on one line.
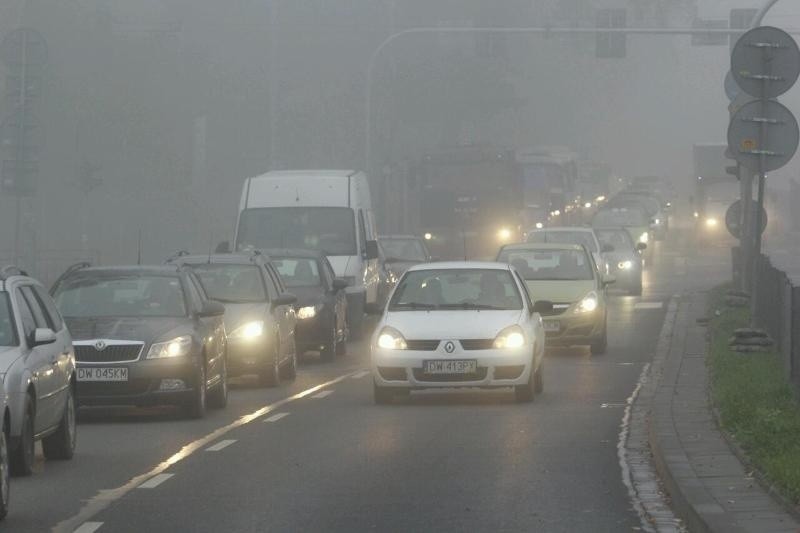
[(414, 305), (470, 306)]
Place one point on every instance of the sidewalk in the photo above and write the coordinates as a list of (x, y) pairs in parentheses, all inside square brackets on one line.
[(708, 485)]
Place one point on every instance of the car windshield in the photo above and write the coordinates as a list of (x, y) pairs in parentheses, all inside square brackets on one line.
[(403, 249), (565, 237), (620, 239), (329, 229), (231, 283), (561, 265), (447, 289), (8, 329), (620, 217), (121, 296), (298, 271)]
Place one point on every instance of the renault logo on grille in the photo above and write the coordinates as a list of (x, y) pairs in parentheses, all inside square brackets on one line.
[(100, 345), (449, 347)]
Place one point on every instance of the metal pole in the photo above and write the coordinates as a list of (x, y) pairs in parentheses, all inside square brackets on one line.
[(762, 12), (273, 87), (20, 152), (746, 236)]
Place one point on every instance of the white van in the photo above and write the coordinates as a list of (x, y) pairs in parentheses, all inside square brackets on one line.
[(328, 210)]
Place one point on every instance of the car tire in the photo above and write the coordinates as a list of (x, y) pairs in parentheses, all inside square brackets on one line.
[(22, 456), (270, 376), (599, 346), (291, 367), (61, 444), (328, 351), (196, 406), (382, 395), (218, 399), (4, 473), (538, 380), (525, 393)]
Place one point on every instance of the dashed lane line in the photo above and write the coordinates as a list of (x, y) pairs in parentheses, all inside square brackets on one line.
[(359, 375), (276, 417), (88, 527), (323, 394), (220, 445), (648, 305), (155, 481), (104, 498)]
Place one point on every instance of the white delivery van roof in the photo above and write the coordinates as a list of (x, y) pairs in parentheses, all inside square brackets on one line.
[(299, 188)]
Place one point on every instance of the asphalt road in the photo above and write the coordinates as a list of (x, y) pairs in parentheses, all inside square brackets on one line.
[(317, 454)]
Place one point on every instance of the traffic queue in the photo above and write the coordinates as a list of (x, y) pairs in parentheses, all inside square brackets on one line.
[(304, 268)]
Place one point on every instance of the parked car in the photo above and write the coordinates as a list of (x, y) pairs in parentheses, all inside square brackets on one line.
[(397, 254), (326, 210), (144, 335), (573, 235), (321, 300), (565, 275), (459, 324), (259, 312), (624, 258), (37, 362)]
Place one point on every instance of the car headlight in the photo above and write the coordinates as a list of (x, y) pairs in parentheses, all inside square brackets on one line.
[(428, 236), (539, 225), (511, 337), (309, 311), (177, 347), (696, 214), (588, 304), (644, 237), (711, 222), (248, 331), (657, 221), (504, 234), (391, 339), (625, 265)]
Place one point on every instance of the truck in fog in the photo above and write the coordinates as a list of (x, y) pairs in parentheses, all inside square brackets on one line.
[(327, 210)]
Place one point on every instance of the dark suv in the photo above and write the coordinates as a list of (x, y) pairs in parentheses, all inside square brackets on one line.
[(144, 335)]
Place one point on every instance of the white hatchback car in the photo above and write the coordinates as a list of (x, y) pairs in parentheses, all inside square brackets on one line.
[(459, 324)]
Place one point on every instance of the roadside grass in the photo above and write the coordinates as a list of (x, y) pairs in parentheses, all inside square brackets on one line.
[(755, 400)]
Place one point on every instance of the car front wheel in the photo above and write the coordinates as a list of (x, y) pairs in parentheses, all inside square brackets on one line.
[(196, 407)]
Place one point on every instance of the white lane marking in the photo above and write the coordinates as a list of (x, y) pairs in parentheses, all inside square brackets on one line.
[(648, 305), (220, 445), (612, 404), (104, 498), (88, 527), (323, 394), (155, 481), (359, 375), (276, 417)]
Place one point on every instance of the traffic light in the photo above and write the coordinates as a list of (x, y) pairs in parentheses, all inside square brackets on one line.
[(611, 45)]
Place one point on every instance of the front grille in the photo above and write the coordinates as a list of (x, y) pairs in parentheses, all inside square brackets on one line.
[(419, 375), (111, 353), (477, 344), (558, 308), (422, 345)]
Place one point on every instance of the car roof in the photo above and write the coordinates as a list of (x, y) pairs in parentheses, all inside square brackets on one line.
[(460, 265), (294, 252), (230, 259), (563, 228), (542, 246), (160, 270), (308, 173)]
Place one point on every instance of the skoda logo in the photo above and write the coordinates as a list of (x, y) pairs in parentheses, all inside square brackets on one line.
[(449, 347), (100, 345)]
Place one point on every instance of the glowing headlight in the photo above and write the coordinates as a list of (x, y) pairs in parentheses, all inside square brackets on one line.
[(600, 198), (539, 225), (588, 304), (428, 236), (625, 265), (175, 348), (587, 205), (391, 339), (309, 311), (657, 221), (644, 237), (711, 222), (556, 213), (696, 214), (511, 337), (248, 331), (504, 234)]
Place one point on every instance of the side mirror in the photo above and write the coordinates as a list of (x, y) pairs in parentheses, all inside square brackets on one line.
[(223, 248), (371, 251), (211, 308), (543, 306), (339, 284), (640, 246), (607, 248), (43, 336), (287, 298), (608, 279)]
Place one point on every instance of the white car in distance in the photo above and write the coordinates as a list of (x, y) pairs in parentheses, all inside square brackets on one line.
[(459, 324)]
